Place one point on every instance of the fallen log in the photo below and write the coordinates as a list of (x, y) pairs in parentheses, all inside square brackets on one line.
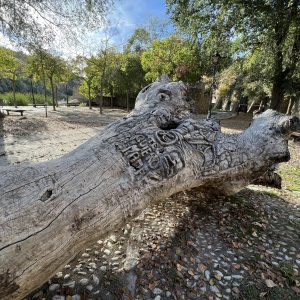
[(50, 211)]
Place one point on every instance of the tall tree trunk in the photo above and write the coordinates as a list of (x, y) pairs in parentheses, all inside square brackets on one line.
[(89, 94), (56, 95), (279, 75), (127, 100), (50, 211), (111, 97), (14, 90), (67, 97), (101, 102), (291, 104), (52, 93), (45, 90), (32, 93)]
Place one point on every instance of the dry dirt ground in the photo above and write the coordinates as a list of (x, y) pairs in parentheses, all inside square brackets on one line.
[(189, 246)]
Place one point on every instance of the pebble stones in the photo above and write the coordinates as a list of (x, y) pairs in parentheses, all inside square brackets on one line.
[(201, 263), (83, 281)]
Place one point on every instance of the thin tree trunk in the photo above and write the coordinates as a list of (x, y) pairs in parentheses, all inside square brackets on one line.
[(67, 97), (45, 90), (56, 95), (32, 93), (127, 101), (101, 103), (45, 94), (14, 90), (52, 93), (50, 211), (111, 97), (251, 106), (89, 93), (291, 104)]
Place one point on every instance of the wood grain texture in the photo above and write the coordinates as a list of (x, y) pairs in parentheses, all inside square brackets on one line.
[(50, 211)]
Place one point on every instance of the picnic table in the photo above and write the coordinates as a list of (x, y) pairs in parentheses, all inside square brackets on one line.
[(8, 110)]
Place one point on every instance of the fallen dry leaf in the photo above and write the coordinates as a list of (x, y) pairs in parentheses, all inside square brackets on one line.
[(270, 283)]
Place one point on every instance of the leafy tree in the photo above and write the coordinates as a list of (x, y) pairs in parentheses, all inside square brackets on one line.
[(173, 56), (10, 67), (85, 71), (36, 21), (131, 77), (98, 66), (47, 66), (139, 40), (272, 27)]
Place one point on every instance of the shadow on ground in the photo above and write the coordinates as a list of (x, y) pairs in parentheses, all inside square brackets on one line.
[(237, 123), (88, 119), (193, 246)]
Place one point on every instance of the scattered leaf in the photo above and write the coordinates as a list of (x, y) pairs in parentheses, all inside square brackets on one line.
[(270, 283)]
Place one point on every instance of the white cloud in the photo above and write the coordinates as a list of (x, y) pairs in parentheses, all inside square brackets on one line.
[(125, 17)]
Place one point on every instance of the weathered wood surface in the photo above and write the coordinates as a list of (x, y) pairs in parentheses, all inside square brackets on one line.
[(50, 211)]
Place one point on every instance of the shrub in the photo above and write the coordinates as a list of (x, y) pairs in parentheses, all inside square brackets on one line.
[(23, 99)]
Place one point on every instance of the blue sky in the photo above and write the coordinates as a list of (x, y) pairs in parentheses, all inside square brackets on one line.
[(130, 14), (125, 17)]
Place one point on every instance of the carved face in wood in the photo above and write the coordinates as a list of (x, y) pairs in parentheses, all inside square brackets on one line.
[(169, 96), (278, 128)]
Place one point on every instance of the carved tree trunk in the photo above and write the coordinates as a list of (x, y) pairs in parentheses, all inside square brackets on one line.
[(50, 211)]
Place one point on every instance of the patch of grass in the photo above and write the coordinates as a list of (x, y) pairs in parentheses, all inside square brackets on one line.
[(250, 292), (287, 271), (281, 294), (23, 99), (272, 193), (291, 177)]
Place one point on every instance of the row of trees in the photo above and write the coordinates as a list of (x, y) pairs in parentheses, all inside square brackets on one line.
[(248, 70), (144, 58), (261, 38), (40, 66)]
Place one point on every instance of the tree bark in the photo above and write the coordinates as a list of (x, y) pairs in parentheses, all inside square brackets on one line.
[(67, 96), (52, 92), (101, 103), (32, 92), (56, 95), (290, 106), (111, 97), (127, 101), (277, 91), (14, 90), (50, 211), (89, 94)]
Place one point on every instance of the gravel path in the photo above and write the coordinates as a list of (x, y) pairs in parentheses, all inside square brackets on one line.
[(189, 246)]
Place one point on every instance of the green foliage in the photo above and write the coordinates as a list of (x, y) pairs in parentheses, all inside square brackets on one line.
[(173, 56), (266, 32), (10, 66), (139, 40), (37, 21), (23, 99), (84, 90)]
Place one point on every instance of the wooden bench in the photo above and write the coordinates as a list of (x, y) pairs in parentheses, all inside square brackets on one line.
[(14, 110), (72, 104), (39, 105)]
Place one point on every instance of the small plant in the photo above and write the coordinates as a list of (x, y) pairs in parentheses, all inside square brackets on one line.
[(287, 271), (82, 104)]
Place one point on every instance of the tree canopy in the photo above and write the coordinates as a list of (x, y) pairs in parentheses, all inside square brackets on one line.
[(272, 27), (35, 21)]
